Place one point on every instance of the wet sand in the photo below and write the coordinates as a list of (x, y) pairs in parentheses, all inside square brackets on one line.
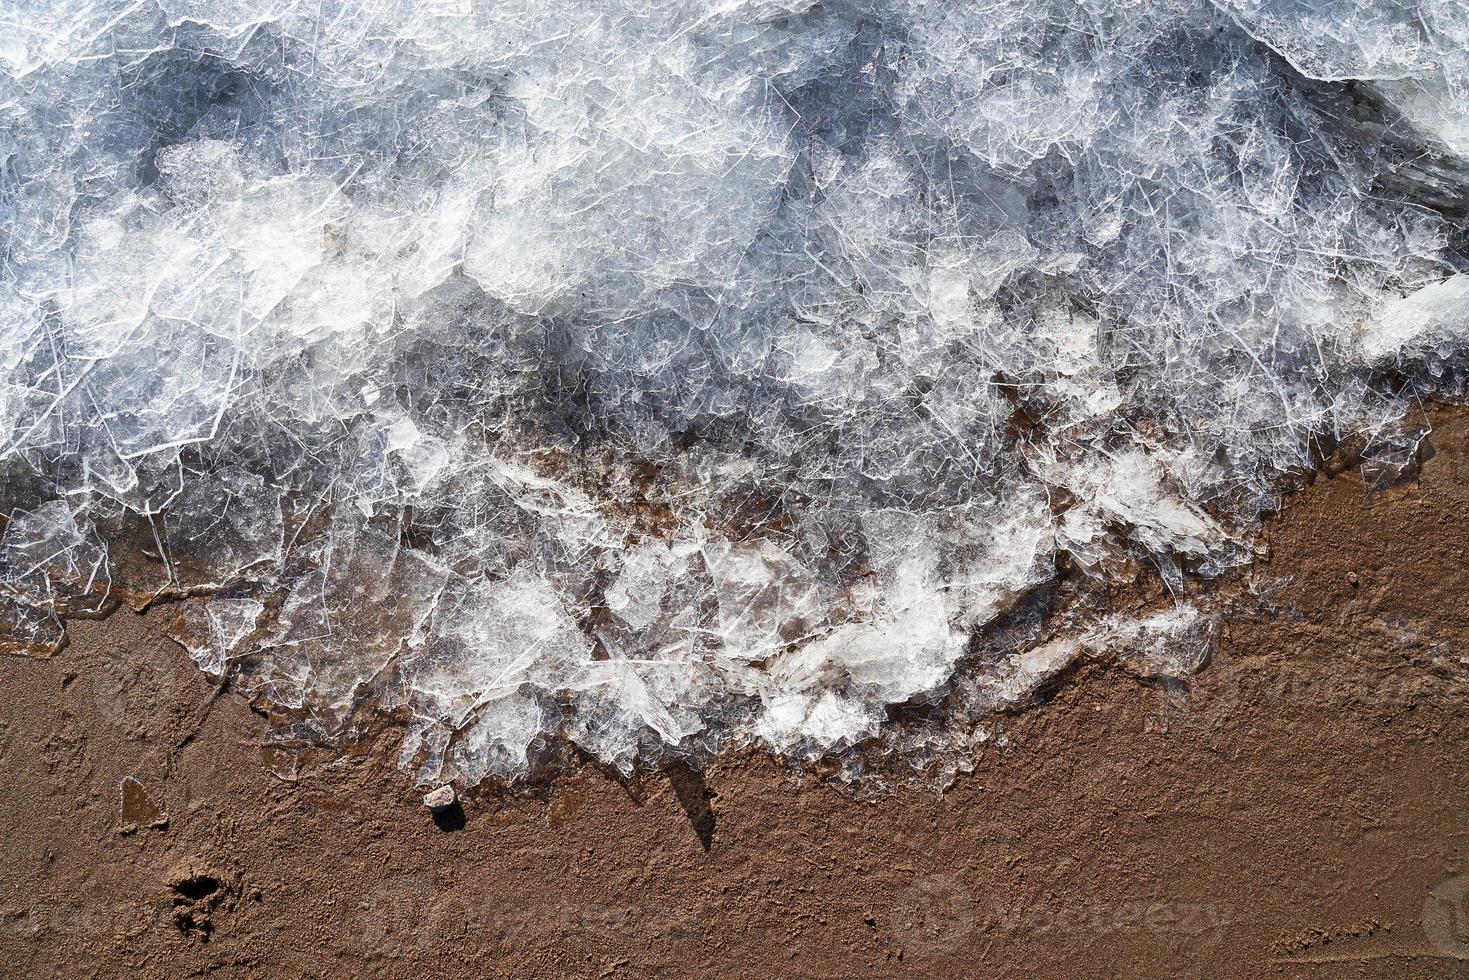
[(1300, 811)]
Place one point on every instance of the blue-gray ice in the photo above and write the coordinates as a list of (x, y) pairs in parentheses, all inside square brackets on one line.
[(670, 376)]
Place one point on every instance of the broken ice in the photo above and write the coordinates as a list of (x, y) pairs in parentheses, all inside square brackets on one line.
[(672, 377)]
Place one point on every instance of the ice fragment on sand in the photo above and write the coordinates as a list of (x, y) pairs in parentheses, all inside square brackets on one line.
[(642, 380)]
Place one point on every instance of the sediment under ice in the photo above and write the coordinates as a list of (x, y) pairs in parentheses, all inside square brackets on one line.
[(679, 376)]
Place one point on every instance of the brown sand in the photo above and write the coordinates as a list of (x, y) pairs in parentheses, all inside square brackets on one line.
[(1300, 813)]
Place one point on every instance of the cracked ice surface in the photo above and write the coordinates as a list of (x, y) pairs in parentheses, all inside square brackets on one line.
[(681, 376)]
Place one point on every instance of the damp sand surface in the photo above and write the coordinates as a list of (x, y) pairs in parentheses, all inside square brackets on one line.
[(1301, 811)]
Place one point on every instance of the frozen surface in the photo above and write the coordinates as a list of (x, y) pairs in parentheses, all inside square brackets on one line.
[(672, 377)]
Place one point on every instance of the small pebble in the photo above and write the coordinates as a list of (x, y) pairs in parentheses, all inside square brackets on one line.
[(440, 799), (1352, 578)]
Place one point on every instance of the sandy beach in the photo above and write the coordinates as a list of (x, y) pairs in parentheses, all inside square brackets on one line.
[(1299, 811)]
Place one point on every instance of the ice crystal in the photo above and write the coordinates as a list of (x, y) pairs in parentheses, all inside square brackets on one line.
[(662, 378)]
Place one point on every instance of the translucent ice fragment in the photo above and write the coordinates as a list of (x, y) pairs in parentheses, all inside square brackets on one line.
[(222, 527), (213, 630), (637, 595), (363, 600), (1340, 39), (489, 640), (1431, 319), (51, 566), (1173, 642), (766, 598)]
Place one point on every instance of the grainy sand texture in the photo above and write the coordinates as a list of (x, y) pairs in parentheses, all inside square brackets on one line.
[(1298, 811)]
